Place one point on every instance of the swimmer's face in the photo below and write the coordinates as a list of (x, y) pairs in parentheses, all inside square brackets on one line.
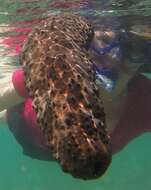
[(111, 59)]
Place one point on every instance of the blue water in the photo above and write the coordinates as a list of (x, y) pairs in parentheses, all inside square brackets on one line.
[(130, 168)]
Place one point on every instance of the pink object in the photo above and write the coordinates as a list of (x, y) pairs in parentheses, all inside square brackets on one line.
[(29, 116), (18, 82), (28, 126), (28, 113)]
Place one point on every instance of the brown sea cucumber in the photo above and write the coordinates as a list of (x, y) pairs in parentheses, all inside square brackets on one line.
[(61, 81)]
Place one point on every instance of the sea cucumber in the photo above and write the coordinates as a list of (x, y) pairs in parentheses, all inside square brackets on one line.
[(60, 79)]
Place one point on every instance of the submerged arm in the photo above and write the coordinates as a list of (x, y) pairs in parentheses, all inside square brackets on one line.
[(13, 91), (8, 96)]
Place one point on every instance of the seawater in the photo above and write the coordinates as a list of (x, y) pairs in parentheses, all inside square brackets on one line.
[(130, 168)]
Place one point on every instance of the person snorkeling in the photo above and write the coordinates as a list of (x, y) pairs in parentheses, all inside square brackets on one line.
[(127, 113)]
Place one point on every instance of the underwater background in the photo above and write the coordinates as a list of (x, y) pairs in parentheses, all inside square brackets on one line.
[(130, 168)]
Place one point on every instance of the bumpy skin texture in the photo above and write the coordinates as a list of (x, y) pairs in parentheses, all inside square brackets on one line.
[(61, 81)]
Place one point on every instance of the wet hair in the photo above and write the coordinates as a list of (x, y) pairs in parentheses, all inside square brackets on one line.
[(61, 82)]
